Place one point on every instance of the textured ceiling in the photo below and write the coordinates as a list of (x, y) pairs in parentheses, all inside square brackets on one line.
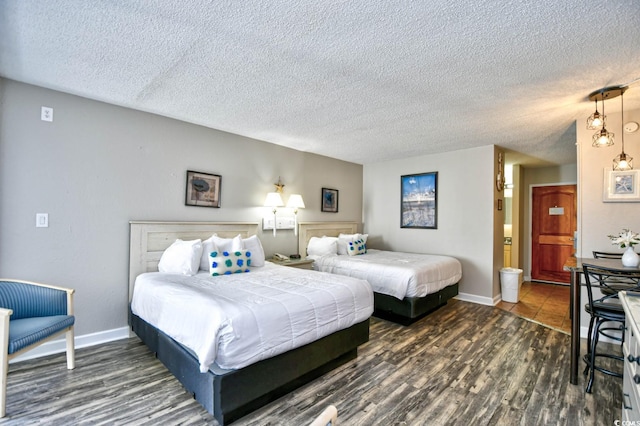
[(358, 80)]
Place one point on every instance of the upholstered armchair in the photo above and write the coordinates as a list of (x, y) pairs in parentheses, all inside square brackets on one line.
[(31, 314)]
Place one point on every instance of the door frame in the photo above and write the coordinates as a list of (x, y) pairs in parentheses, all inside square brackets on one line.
[(527, 277)]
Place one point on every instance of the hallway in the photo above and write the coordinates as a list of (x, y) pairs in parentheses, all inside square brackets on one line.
[(547, 304)]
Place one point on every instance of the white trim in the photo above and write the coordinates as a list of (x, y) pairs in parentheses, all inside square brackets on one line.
[(60, 346), (473, 298)]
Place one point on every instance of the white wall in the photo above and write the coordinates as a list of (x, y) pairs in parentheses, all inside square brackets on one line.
[(98, 166), (466, 193)]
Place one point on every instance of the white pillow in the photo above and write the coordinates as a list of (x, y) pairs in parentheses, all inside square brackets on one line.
[(254, 245), (228, 244), (181, 257), (207, 247), (322, 246)]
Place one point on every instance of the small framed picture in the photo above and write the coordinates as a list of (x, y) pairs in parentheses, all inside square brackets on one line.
[(329, 200), (621, 186), (203, 189)]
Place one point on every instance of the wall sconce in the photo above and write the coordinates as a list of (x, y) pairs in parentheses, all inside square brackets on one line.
[(500, 178), (295, 202), (273, 200)]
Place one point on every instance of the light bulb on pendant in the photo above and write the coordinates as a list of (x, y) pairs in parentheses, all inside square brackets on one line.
[(603, 137), (622, 162), (595, 120)]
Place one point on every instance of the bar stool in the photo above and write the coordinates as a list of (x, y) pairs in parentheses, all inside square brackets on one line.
[(604, 309)]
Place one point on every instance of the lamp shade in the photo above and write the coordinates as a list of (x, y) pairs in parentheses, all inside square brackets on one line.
[(273, 200), (295, 202)]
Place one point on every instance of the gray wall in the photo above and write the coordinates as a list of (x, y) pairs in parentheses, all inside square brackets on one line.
[(466, 214), (98, 166)]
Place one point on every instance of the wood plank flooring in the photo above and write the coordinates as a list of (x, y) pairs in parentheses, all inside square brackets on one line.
[(463, 364)]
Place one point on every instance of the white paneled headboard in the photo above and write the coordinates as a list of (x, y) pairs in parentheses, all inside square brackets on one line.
[(307, 230), (147, 240)]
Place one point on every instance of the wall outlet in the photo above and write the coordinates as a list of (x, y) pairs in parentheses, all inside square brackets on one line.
[(46, 113)]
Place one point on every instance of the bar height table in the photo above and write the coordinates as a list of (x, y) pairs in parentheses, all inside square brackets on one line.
[(574, 266)]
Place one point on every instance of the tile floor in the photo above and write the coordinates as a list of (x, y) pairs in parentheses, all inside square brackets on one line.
[(547, 304)]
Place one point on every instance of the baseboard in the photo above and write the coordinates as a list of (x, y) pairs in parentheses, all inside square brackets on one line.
[(473, 298), (59, 346)]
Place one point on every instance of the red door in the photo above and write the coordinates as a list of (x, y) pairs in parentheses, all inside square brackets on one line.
[(554, 219)]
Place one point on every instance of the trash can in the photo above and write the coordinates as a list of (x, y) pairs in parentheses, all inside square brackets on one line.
[(511, 281)]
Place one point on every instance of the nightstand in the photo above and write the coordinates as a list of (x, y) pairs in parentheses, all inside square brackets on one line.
[(294, 263)]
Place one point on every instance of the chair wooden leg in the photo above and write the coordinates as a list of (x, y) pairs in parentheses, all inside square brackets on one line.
[(4, 369), (71, 354), (4, 359)]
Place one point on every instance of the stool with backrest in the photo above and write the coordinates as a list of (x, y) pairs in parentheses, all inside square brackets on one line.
[(31, 314), (604, 307)]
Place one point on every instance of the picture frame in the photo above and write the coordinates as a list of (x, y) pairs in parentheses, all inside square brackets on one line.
[(203, 189), (621, 186), (419, 201), (329, 202)]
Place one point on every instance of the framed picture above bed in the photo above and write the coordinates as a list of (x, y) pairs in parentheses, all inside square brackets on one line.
[(203, 189), (329, 200), (419, 201)]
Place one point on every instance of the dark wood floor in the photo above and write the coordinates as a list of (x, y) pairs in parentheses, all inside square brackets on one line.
[(463, 364)]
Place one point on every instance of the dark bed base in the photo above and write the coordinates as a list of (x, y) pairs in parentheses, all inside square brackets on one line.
[(411, 309), (236, 393)]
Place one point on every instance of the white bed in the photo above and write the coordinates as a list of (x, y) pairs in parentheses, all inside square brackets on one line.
[(393, 273), (276, 327), (237, 320), (406, 285)]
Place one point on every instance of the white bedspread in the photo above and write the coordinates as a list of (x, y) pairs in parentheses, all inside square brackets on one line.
[(394, 273), (239, 319)]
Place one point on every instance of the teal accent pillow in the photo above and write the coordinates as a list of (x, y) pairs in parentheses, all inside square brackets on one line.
[(229, 262), (356, 247)]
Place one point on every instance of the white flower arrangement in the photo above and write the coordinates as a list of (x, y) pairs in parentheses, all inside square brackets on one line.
[(625, 239)]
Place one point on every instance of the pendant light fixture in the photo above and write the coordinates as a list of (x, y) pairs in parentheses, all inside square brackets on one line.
[(622, 161), (595, 120), (603, 137)]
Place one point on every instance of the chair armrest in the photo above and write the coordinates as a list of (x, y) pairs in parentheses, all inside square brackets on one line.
[(5, 313)]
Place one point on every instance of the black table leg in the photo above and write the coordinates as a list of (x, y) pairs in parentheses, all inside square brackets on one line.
[(575, 325)]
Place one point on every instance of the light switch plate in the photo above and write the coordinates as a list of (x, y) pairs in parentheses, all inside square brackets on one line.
[(42, 220)]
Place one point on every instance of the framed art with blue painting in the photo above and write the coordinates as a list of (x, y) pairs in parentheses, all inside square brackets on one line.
[(621, 186), (329, 200), (203, 189), (419, 201)]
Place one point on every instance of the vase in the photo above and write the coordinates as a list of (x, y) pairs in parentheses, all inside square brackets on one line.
[(630, 258)]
